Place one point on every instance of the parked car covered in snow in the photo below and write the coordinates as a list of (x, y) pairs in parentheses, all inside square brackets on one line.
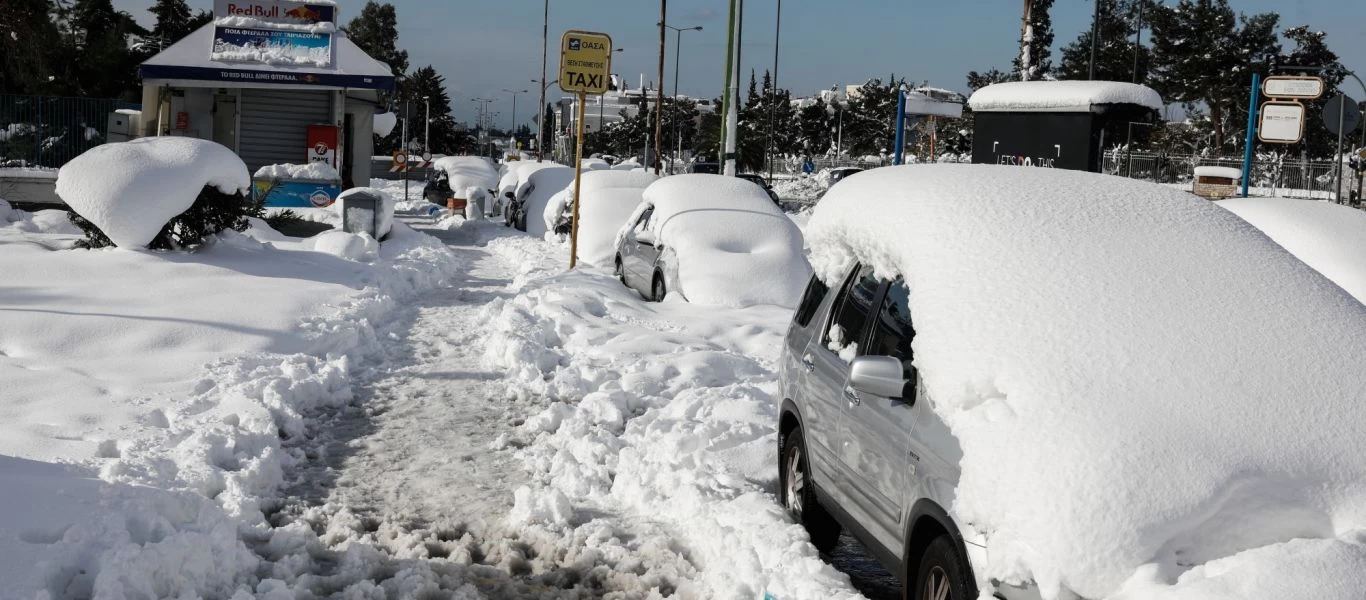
[(1329, 237), (515, 174), (609, 198), (527, 206), (712, 240), (454, 176), (762, 183), (1029, 382)]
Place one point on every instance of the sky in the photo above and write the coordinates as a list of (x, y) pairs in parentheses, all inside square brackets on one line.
[(484, 47)]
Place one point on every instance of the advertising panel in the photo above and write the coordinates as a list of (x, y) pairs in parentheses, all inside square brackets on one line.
[(272, 46)]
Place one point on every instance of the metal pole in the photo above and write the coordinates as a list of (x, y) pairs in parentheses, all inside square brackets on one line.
[(1251, 130), (839, 136), (1337, 158), (1129, 152), (514, 115), (578, 172), (678, 137), (427, 128), (900, 125), (659, 87), (1095, 33), (773, 106), (727, 149), (540, 108), (403, 145), (1138, 38), (1025, 39)]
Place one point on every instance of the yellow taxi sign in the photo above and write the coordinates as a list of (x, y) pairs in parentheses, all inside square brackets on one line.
[(585, 62)]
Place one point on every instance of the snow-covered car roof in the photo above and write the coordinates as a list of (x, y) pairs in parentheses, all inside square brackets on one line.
[(1061, 96), (1135, 376), (734, 247), (465, 172), (1329, 237), (609, 198)]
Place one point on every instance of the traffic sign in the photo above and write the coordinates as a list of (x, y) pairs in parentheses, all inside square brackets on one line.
[(585, 62), (400, 162), (1341, 110), (426, 160), (1281, 123), (1298, 88)]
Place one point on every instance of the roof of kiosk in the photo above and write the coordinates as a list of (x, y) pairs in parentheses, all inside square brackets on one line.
[(1062, 96)]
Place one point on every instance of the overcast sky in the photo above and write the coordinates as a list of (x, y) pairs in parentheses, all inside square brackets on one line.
[(484, 46)]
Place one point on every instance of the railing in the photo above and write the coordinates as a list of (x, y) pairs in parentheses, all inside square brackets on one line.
[(1272, 174), (49, 131)]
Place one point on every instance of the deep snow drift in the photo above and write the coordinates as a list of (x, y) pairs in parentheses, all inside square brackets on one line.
[(1168, 397), (130, 190)]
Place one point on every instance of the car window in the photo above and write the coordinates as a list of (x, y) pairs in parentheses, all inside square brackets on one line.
[(892, 331), (811, 300), (643, 222), (851, 315)]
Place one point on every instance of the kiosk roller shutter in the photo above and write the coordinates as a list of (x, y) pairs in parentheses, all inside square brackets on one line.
[(274, 126)]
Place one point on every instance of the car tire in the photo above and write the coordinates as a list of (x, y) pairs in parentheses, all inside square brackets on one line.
[(942, 574), (620, 271), (799, 496), (657, 288)]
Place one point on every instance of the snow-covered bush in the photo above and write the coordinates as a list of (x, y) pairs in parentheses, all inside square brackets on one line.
[(162, 193)]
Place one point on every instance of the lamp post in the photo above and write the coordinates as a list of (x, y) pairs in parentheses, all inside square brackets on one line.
[(427, 127), (540, 122), (483, 120), (540, 108), (678, 52), (773, 106), (514, 107), (1095, 33)]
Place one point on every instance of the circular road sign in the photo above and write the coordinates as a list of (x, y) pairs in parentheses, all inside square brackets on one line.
[(1343, 110)]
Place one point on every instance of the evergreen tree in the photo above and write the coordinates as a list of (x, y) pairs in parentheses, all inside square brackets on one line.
[(815, 128), (1038, 39), (376, 32), (173, 22), (1203, 53), (1311, 50), (977, 81), (1115, 52), (870, 123), (27, 37), (427, 88), (96, 53)]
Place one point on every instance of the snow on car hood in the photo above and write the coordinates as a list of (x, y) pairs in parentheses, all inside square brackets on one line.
[(734, 248), (1136, 376), (1329, 237)]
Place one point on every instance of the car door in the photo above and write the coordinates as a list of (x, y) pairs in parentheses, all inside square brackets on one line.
[(828, 371), (875, 431), (638, 255)]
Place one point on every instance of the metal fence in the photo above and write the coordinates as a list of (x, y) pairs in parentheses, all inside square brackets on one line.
[(1272, 174), (48, 131)]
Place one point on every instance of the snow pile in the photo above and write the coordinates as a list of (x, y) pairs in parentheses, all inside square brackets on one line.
[(1226, 172), (557, 209), (130, 190), (465, 172), (182, 381), (385, 208), (385, 123), (537, 189), (254, 23), (26, 172), (314, 171), (1061, 96), (733, 246), (594, 164), (1329, 237), (806, 189), (609, 198), (476, 202), (1169, 397), (351, 246), (665, 413)]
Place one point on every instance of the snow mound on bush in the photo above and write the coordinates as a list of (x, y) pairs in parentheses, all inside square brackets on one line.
[(609, 198), (734, 247), (130, 190), (1329, 237), (351, 246), (1136, 376)]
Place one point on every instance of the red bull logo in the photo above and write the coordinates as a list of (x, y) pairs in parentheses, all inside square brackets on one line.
[(276, 10), (304, 13)]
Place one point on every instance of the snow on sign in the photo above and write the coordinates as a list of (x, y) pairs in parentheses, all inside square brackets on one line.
[(585, 62), (1300, 88), (1281, 123)]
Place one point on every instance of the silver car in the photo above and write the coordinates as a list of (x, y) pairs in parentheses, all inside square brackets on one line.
[(860, 449)]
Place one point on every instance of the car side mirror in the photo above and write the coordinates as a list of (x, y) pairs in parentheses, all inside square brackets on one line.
[(510, 196), (879, 376)]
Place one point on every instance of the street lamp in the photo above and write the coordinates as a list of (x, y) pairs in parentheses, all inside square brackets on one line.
[(678, 51), (540, 108), (427, 129), (514, 107)]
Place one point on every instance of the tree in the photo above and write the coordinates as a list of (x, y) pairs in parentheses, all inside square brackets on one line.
[(1036, 43), (376, 32), (977, 81), (95, 56), (815, 128), (427, 88), (869, 123), (1115, 54), (173, 22), (1311, 50), (1203, 54), (27, 37)]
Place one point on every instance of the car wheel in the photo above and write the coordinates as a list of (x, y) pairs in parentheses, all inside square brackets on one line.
[(657, 289), (941, 575), (799, 496), (620, 271)]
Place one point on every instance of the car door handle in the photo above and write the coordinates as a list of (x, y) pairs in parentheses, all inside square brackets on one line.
[(808, 364), (851, 395)]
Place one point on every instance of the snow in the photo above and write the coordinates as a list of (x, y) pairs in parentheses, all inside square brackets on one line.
[(1061, 96), (733, 246), (1227, 172), (609, 198), (130, 190), (518, 172), (313, 171), (1329, 237), (254, 23), (537, 190), (350, 246), (466, 172), (181, 379), (1171, 399), (27, 173), (386, 208), (385, 123)]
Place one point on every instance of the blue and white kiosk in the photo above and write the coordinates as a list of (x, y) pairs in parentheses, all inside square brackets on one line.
[(275, 81)]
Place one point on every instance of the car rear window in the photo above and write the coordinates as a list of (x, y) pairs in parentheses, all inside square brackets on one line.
[(811, 300)]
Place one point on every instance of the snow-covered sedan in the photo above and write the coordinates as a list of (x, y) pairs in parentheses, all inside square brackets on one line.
[(1034, 382), (712, 240), (1329, 237), (609, 198)]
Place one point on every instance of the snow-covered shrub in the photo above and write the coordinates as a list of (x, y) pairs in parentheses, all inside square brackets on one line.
[(161, 193)]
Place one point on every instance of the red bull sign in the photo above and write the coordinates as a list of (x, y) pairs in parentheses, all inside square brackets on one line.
[(286, 12)]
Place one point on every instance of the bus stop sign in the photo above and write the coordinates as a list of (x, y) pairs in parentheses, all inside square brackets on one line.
[(585, 62)]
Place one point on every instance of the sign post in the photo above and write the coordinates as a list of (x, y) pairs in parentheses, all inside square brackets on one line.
[(900, 124), (1340, 116), (585, 65), (1251, 131)]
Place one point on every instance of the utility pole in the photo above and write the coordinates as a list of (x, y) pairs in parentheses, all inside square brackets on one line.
[(1095, 33), (732, 100), (1138, 38), (659, 91), (773, 106), (427, 128), (678, 53), (540, 108), (1026, 38)]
